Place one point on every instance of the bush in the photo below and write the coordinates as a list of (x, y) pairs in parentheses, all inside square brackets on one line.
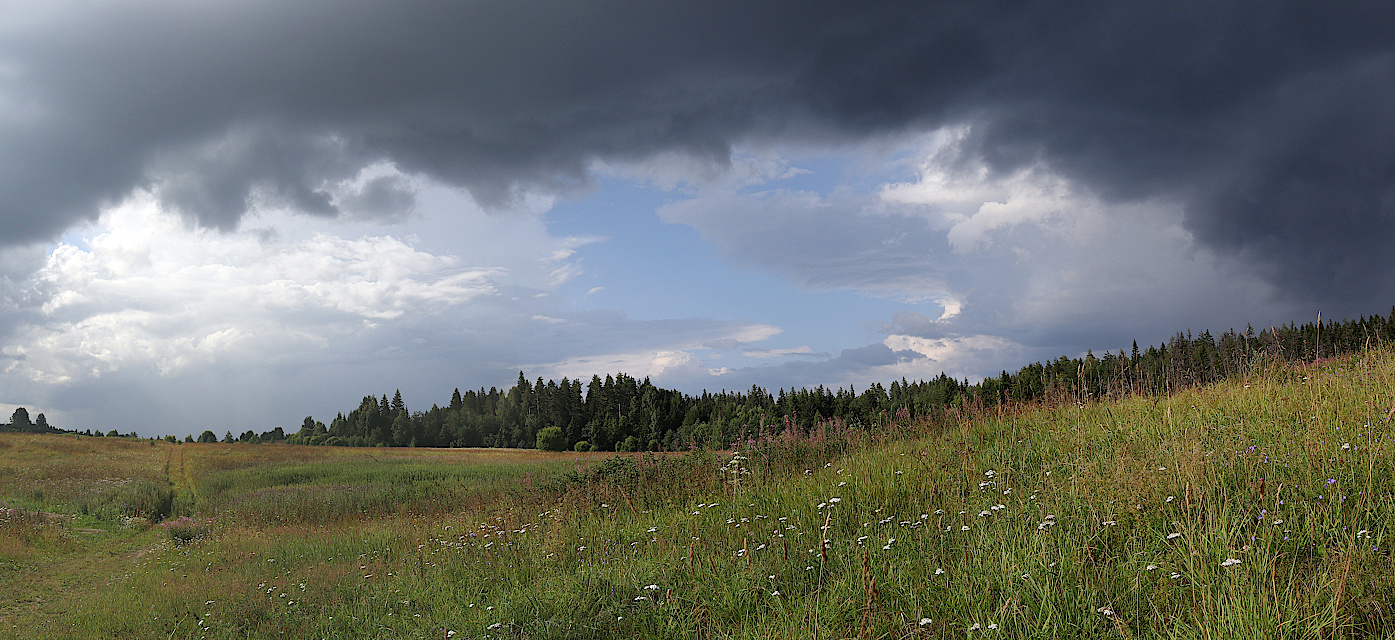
[(185, 529), (582, 446), (552, 439)]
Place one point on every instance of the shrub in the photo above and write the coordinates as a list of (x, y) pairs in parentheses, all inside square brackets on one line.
[(552, 439), (582, 446), (185, 529)]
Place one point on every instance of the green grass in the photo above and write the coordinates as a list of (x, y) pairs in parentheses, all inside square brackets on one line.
[(1092, 520)]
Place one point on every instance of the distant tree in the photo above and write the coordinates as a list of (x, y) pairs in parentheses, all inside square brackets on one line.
[(189, 438), (552, 439), (582, 446), (113, 434), (307, 427), (41, 423), (20, 420), (228, 437), (208, 436), (401, 429), (173, 439), (97, 433)]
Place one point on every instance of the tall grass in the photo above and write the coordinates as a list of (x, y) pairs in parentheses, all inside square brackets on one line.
[(1261, 507)]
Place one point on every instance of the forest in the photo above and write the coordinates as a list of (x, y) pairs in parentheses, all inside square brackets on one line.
[(621, 413)]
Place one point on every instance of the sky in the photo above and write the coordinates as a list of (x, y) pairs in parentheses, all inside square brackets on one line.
[(230, 215)]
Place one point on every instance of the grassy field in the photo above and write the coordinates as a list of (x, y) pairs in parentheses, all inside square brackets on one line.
[(1262, 507)]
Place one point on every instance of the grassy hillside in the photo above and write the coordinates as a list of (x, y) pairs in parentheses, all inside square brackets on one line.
[(1261, 507)]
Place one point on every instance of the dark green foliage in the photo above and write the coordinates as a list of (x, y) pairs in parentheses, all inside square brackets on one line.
[(208, 436), (620, 413), (21, 422), (552, 439)]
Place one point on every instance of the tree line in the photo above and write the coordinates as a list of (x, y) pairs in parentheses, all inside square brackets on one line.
[(21, 422), (622, 413)]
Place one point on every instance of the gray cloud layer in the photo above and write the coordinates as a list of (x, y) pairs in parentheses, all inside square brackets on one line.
[(1270, 122)]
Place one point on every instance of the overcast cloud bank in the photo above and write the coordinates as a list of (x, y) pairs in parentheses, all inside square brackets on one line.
[(196, 193)]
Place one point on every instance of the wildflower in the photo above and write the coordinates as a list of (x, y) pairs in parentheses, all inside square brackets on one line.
[(984, 513), (775, 593), (964, 528), (1230, 562), (992, 625), (835, 500), (1170, 498), (1109, 523), (651, 587), (939, 572), (1175, 575), (990, 473), (1278, 522), (925, 621), (1346, 446), (638, 598), (1106, 611), (1174, 535), (976, 627)]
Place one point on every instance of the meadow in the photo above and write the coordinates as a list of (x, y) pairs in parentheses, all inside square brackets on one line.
[(1261, 507)]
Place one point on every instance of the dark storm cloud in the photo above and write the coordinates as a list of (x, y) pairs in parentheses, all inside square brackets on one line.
[(1271, 122)]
